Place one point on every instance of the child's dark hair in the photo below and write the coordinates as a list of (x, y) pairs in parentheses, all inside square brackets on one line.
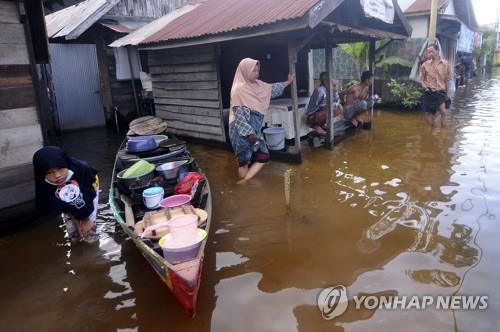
[(366, 75), (323, 76)]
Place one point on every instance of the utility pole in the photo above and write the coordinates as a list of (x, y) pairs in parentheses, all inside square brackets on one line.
[(497, 45), (433, 22), (496, 53)]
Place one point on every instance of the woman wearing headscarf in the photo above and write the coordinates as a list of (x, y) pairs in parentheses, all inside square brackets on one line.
[(250, 98), (69, 186)]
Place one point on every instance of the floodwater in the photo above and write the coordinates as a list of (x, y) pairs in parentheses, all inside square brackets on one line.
[(402, 209)]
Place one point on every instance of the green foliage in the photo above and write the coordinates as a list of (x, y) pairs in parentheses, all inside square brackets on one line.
[(408, 93), (359, 51), (487, 48), (394, 60)]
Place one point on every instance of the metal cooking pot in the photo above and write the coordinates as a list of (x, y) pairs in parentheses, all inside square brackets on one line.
[(171, 169)]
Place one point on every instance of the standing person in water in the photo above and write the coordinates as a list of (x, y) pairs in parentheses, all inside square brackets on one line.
[(250, 98), (434, 76), (69, 186)]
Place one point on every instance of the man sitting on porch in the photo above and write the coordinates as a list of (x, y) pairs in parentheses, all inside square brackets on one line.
[(316, 108), (358, 99)]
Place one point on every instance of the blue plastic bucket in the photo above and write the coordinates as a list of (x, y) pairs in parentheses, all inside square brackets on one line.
[(275, 138)]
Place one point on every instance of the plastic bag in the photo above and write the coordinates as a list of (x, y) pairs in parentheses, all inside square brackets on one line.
[(187, 183), (451, 88)]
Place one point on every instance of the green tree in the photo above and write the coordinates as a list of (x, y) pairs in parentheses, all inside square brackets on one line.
[(487, 48), (359, 52)]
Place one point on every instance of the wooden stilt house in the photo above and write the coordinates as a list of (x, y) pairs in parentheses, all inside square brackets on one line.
[(193, 58)]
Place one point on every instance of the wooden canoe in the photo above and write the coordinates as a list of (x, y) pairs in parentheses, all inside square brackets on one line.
[(182, 279)]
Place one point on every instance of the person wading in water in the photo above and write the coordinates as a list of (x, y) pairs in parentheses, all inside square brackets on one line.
[(250, 98), (434, 76)]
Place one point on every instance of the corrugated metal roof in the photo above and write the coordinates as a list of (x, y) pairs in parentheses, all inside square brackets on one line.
[(423, 6), (219, 16), (144, 32), (367, 32), (118, 27), (72, 21), (465, 12), (124, 25)]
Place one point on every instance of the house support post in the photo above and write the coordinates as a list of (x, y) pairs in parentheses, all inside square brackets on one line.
[(433, 21), (372, 70), (292, 60), (130, 52), (329, 94), (102, 63)]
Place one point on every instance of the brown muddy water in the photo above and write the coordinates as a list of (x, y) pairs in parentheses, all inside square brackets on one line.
[(402, 209)]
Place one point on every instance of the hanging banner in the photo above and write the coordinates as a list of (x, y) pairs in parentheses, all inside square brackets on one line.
[(468, 40), (379, 9)]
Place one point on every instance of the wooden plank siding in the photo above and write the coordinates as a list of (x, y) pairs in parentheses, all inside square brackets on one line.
[(8, 12), (18, 117), (20, 131), (15, 75), (16, 185), (186, 90), (17, 145), (13, 48), (122, 94)]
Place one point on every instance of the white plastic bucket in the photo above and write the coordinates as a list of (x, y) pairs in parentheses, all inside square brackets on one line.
[(152, 197), (275, 138), (184, 230)]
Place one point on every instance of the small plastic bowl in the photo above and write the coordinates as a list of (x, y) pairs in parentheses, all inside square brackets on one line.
[(175, 200)]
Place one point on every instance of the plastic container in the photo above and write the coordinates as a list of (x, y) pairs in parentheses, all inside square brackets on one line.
[(275, 138), (176, 255), (183, 229), (136, 182), (138, 169), (175, 200), (127, 160), (157, 138), (152, 197), (145, 143)]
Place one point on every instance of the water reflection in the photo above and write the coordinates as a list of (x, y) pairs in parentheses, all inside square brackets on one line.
[(256, 310)]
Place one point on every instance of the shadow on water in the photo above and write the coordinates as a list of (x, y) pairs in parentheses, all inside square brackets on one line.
[(402, 209)]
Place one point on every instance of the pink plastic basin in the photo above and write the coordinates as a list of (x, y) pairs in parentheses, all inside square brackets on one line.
[(175, 200)]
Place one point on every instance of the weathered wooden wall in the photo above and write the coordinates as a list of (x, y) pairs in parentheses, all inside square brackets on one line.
[(20, 131), (122, 95), (186, 89)]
